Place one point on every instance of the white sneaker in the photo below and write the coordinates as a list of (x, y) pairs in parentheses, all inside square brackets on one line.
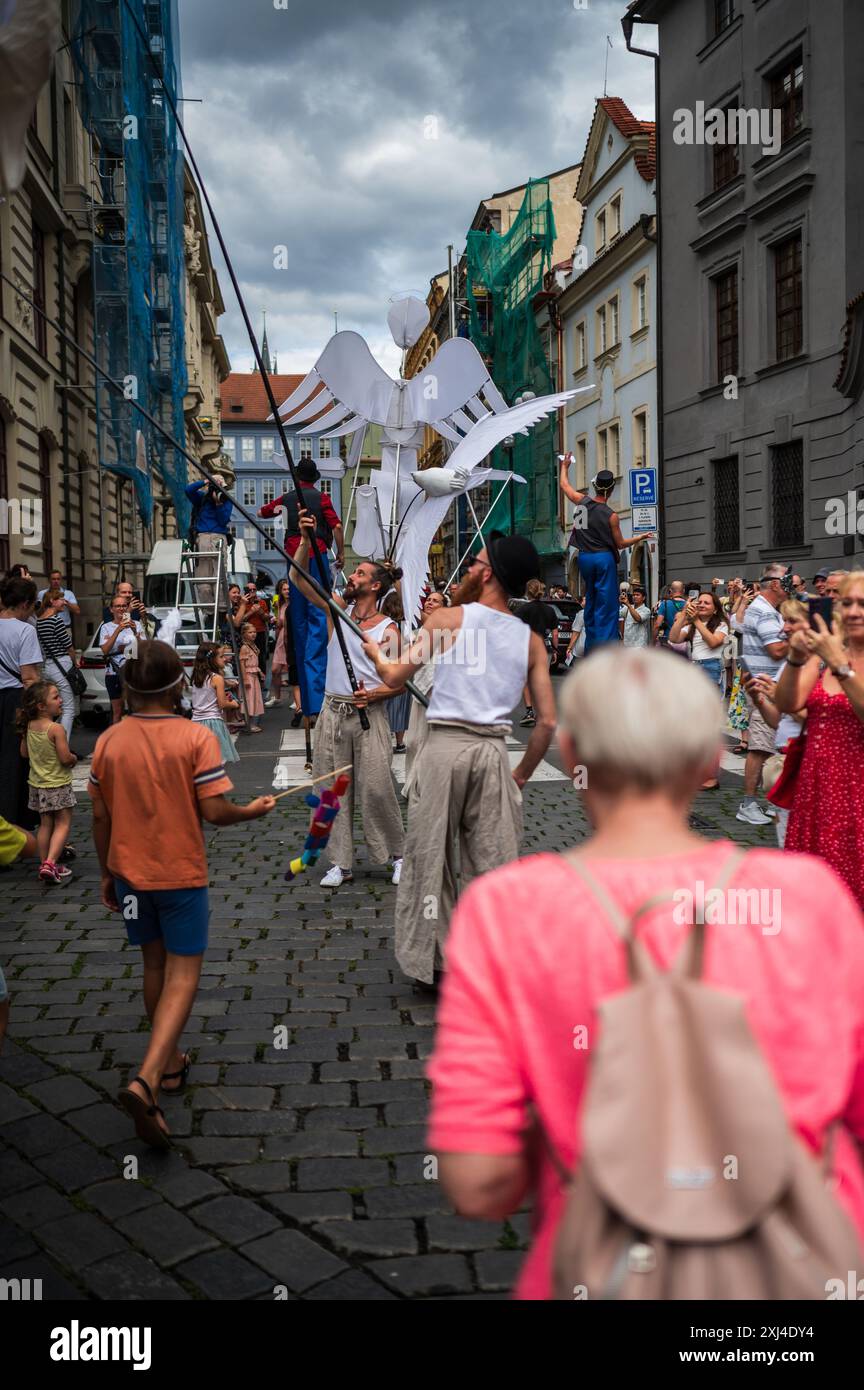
[(397, 870), (335, 877), (752, 814), (270, 702), (769, 810)]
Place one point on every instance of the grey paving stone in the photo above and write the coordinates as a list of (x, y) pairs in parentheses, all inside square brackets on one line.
[(261, 1177), (424, 1274), (77, 1166), (37, 1134), (371, 1237), (257, 1122), (393, 1139), (213, 1152), (223, 1274), (233, 1098), (132, 1276), (293, 1260), (322, 1175), (13, 1106), (103, 1124), (498, 1269), (16, 1244), (80, 1240), (386, 1092), (351, 1287), (166, 1235), (310, 1207), (187, 1185), (407, 1112), (344, 1117), (234, 1219), (19, 1069), (350, 1071), (264, 1074), (414, 1167), (16, 1173), (35, 1206), (313, 1143), (119, 1197), (310, 1097), (55, 1287), (455, 1233), (420, 1200)]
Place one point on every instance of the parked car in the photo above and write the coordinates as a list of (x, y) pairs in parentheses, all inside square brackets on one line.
[(565, 610)]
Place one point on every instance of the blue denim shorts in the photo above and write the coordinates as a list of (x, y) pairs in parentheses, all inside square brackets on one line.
[(177, 916)]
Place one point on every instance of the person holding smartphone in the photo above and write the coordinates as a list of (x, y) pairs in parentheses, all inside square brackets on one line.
[(763, 649), (115, 638), (824, 675)]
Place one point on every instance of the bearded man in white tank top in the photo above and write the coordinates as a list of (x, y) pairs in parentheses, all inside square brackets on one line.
[(339, 739), (464, 788)]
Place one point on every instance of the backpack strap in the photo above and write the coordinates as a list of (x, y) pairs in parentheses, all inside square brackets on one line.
[(640, 963)]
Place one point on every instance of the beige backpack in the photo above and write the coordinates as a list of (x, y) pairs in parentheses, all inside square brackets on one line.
[(691, 1184)]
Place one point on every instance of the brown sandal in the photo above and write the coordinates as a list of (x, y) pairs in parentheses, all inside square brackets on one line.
[(147, 1126)]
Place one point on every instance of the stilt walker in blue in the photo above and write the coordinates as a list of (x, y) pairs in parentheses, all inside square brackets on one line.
[(597, 538), (308, 622)]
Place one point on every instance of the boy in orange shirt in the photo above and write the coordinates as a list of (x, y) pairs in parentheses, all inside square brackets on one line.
[(153, 777)]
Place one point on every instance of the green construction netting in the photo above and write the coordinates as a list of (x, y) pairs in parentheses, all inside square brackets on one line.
[(504, 274)]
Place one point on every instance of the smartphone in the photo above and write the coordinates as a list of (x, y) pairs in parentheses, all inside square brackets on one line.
[(824, 607), (745, 668), (694, 593)]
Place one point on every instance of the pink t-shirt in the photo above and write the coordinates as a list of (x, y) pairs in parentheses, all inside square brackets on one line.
[(531, 954)]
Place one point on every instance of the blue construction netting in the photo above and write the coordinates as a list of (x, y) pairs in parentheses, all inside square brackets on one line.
[(138, 252)]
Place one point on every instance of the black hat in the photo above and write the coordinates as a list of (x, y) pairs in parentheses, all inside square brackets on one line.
[(514, 560), (605, 480), (307, 471), (823, 573)]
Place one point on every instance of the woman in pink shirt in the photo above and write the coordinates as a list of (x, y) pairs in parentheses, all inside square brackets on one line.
[(533, 952)]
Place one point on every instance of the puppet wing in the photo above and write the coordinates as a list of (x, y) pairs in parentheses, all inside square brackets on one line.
[(344, 391), (28, 40)]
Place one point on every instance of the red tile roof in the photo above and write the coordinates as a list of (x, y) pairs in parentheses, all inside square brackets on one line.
[(246, 389), (622, 117)]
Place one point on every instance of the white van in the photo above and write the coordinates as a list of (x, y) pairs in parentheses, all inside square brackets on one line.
[(160, 594)]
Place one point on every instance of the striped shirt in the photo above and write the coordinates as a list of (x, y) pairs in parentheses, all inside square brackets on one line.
[(54, 638), (763, 624)]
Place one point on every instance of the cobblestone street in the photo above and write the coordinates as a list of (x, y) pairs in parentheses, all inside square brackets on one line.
[(301, 1168)]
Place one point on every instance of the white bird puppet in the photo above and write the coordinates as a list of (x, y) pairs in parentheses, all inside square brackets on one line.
[(29, 36), (401, 508)]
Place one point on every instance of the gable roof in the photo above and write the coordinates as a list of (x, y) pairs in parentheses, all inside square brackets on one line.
[(246, 390), (640, 135)]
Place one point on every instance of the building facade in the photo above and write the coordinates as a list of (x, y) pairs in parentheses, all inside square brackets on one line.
[(762, 258), (607, 321), (254, 449), (61, 431)]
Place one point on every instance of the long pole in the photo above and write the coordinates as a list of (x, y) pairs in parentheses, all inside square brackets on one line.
[(274, 408), (485, 522), (338, 614)]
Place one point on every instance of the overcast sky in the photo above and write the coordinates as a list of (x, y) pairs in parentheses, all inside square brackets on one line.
[(314, 133)]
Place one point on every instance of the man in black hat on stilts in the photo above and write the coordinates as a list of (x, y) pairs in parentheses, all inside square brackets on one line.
[(464, 789), (597, 537)]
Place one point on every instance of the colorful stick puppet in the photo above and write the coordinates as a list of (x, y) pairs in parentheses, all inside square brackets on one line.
[(325, 809)]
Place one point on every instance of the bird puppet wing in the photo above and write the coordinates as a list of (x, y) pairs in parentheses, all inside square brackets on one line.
[(454, 391), (345, 390)]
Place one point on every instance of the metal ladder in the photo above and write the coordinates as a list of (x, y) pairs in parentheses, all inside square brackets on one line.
[(206, 613)]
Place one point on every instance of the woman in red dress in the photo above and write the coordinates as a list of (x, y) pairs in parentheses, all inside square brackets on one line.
[(824, 673)]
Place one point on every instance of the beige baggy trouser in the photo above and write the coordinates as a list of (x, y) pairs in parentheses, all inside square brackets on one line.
[(339, 739), (463, 794)]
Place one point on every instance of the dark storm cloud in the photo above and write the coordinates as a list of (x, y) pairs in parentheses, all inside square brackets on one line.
[(315, 135)]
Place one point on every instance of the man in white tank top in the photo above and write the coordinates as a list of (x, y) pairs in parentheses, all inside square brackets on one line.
[(464, 788), (339, 739)]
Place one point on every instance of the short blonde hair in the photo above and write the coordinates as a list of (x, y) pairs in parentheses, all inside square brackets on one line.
[(794, 611), (641, 717), (853, 579)]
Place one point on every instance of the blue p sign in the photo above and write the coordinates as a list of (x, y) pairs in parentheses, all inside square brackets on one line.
[(643, 487)]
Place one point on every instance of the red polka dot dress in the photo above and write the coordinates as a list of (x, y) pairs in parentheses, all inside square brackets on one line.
[(827, 818)]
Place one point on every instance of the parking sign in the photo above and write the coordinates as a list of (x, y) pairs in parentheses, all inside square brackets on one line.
[(643, 487)]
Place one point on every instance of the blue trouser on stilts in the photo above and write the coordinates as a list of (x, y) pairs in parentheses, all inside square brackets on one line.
[(309, 626), (599, 573)]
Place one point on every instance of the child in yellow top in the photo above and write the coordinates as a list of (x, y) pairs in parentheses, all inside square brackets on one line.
[(51, 762)]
